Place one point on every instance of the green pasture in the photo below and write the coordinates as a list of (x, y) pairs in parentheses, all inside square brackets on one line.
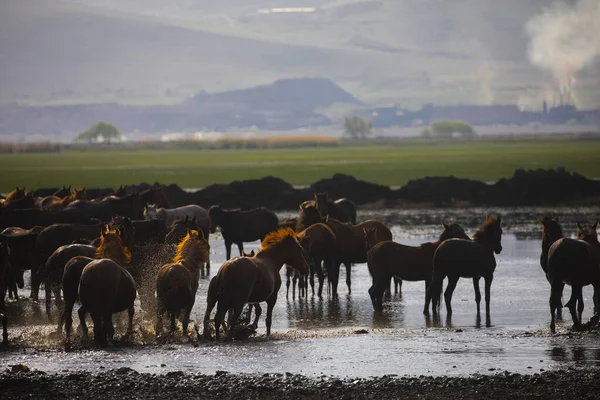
[(389, 164)]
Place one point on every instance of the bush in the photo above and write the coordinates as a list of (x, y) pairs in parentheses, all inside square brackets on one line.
[(449, 130)]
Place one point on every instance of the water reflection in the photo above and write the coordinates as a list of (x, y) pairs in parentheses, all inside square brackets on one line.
[(577, 352)]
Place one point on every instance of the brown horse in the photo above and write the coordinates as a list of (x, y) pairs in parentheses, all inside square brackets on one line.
[(105, 287), (319, 242), (177, 283), (4, 280), (252, 280), (410, 263), (242, 226), (350, 244), (15, 195), (577, 263), (462, 258), (180, 228)]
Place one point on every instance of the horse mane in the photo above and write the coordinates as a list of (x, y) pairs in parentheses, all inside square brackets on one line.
[(275, 238), (109, 240), (485, 229), (191, 248)]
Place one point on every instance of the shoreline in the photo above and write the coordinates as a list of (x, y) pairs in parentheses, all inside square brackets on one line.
[(127, 383)]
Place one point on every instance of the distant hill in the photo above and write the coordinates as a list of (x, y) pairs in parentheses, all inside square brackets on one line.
[(282, 105)]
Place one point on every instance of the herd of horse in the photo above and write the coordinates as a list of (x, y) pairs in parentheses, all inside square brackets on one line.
[(106, 252)]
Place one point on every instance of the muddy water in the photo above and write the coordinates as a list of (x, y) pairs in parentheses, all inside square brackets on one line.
[(344, 337)]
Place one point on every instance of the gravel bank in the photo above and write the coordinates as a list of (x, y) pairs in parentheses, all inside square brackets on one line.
[(125, 383)]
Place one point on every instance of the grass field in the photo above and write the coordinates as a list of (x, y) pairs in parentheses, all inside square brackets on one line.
[(391, 164)]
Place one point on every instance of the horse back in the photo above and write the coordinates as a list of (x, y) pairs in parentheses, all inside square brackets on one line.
[(247, 226), (71, 276), (388, 258), (175, 287)]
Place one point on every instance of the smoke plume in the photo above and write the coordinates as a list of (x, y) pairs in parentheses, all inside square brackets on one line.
[(565, 38)]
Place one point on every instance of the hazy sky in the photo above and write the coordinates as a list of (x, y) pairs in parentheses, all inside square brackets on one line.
[(402, 51)]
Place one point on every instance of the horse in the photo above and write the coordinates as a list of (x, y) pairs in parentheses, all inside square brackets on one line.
[(252, 280), (177, 282), (149, 232), (23, 203), (319, 242), (350, 244), (389, 259), (155, 195), (242, 226), (15, 195), (463, 258), (105, 287), (551, 232), (53, 272), (577, 263), (4, 279), (343, 210), (169, 216)]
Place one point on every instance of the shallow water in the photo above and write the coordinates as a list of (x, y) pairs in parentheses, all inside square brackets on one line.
[(344, 337)]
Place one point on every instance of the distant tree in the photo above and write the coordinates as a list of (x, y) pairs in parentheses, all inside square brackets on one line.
[(448, 130), (357, 127), (100, 129)]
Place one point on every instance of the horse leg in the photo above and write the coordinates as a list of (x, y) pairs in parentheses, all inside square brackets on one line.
[(311, 279), (219, 315), (294, 283), (348, 272), (81, 313), (258, 312), (288, 282), (580, 306), (427, 299), (241, 248), (556, 289), (397, 285), (233, 317), (321, 277), (488, 287), (270, 305), (186, 321), (477, 293), (559, 310), (334, 278), (108, 328), (173, 327), (99, 337), (228, 248), (211, 301), (571, 304), (48, 289), (452, 281), (67, 318), (130, 312)]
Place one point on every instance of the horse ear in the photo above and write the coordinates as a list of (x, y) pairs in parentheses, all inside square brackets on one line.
[(446, 226), (579, 226)]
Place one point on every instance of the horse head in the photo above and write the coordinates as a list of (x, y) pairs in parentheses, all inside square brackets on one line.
[(371, 238), (322, 202), (490, 234), (588, 233), (285, 242)]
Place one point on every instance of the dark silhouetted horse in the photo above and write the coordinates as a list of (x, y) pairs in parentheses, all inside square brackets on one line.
[(410, 263), (462, 258), (255, 279), (4, 279), (577, 263), (177, 282), (242, 226)]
